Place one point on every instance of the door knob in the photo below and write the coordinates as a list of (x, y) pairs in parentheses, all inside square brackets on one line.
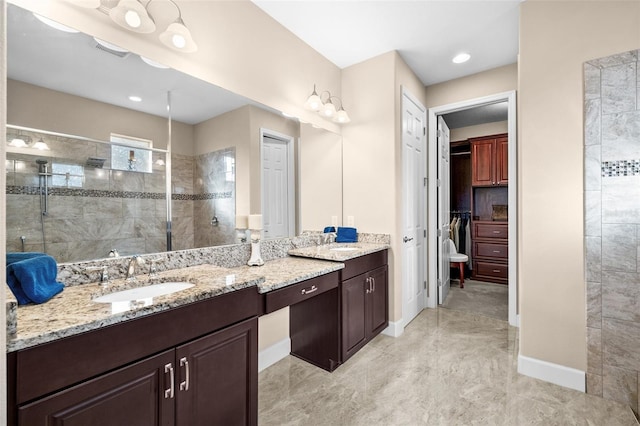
[(405, 239)]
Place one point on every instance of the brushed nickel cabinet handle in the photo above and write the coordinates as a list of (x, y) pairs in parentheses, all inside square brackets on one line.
[(496, 270), (168, 393), (496, 232), (309, 290), (184, 386), (373, 281), (496, 251)]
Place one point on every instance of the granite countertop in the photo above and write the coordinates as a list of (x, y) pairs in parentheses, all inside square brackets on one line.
[(339, 252), (73, 311), (283, 272)]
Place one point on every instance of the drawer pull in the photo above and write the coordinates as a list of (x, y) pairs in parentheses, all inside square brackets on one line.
[(168, 393), (496, 251), (309, 290), (496, 232), (497, 270)]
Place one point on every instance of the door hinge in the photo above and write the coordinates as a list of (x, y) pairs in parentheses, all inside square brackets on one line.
[(439, 133), (439, 233), (438, 183), (425, 181), (439, 283), (424, 131), (424, 232), (425, 284)]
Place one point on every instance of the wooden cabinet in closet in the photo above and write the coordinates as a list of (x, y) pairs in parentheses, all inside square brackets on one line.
[(491, 251), (489, 160)]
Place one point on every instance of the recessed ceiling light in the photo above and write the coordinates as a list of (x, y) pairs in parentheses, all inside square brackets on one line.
[(461, 57), (135, 98), (54, 24)]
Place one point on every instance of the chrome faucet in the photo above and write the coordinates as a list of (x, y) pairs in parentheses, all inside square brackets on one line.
[(131, 270), (104, 273)]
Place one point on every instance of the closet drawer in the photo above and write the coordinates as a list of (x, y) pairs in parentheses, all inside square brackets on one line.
[(490, 230), (490, 269), (497, 250)]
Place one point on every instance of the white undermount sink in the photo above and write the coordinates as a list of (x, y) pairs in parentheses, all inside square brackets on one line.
[(139, 293), (344, 248)]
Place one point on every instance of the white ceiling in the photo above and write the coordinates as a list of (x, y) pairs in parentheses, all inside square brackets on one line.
[(426, 33)]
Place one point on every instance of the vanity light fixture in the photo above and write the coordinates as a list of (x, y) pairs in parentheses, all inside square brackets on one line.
[(41, 145), (19, 141), (153, 63), (326, 108), (135, 16)]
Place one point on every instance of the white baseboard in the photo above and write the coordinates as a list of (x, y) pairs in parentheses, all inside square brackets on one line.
[(395, 329), (553, 373), (274, 353)]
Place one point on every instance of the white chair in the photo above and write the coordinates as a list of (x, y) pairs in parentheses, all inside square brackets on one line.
[(457, 260)]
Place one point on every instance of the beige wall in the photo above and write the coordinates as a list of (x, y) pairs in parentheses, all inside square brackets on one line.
[(555, 39), (372, 155), (45, 109), (240, 48), (497, 80), (464, 133), (320, 178)]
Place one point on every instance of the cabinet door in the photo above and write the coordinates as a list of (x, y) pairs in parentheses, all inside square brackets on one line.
[(482, 162), (133, 395), (378, 315), (217, 379), (354, 325), (502, 161)]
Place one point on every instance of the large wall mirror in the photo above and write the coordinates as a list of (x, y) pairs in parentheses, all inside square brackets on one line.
[(125, 134)]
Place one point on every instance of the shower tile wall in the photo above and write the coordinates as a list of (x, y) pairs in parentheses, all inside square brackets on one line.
[(612, 226), (110, 209)]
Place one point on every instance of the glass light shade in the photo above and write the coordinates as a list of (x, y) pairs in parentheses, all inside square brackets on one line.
[(314, 103), (178, 37), (18, 142), (328, 109), (341, 116), (153, 63), (132, 15), (41, 145)]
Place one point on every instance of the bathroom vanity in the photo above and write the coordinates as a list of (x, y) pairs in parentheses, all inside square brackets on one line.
[(190, 357)]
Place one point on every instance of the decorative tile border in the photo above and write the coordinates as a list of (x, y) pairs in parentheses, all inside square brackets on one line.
[(621, 168), (97, 193)]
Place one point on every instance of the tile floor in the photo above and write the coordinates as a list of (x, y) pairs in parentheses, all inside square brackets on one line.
[(448, 368), (482, 298)]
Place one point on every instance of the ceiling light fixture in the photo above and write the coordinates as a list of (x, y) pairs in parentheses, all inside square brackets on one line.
[(461, 58), (134, 98), (177, 36), (153, 63), (326, 108)]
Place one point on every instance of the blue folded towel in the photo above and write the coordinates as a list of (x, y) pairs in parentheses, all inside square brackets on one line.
[(347, 235), (328, 229), (32, 277)]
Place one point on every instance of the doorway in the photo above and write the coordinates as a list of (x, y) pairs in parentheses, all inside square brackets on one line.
[(511, 196), (278, 184)]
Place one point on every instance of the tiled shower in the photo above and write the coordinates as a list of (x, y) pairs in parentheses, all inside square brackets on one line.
[(92, 210), (612, 226)]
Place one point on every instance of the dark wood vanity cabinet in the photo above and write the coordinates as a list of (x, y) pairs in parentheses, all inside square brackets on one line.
[(205, 373), (489, 160), (364, 301)]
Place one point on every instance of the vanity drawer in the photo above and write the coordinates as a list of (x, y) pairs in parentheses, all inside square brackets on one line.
[(491, 270), (491, 230), (295, 293), (497, 250)]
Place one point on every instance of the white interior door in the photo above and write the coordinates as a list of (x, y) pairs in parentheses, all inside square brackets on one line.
[(413, 207), (276, 177), (444, 219)]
